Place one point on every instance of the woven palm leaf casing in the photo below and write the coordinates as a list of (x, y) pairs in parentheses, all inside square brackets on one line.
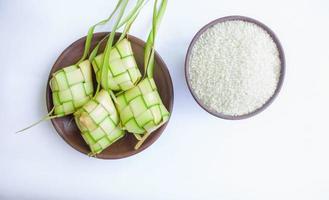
[(98, 121), (71, 87), (123, 70), (141, 109)]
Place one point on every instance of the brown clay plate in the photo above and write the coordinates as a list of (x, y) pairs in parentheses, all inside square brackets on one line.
[(281, 57), (66, 127)]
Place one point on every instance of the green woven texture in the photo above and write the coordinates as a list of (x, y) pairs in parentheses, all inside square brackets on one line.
[(123, 70), (141, 108), (98, 121), (71, 87)]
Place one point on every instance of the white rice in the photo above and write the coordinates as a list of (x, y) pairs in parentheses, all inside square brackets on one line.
[(234, 67)]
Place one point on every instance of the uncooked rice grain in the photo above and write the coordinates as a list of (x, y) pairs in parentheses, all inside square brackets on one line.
[(234, 67)]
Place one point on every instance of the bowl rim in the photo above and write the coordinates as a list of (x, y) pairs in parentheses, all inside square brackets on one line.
[(281, 57), (78, 148)]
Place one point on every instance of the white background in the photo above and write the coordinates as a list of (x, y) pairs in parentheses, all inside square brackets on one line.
[(282, 153)]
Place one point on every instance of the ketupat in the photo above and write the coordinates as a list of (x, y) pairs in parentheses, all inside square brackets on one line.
[(98, 122), (71, 87), (116, 69), (140, 108), (123, 70)]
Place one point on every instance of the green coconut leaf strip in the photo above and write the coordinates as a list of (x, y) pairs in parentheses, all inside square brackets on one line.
[(137, 9), (149, 42), (91, 33), (132, 14), (150, 60), (149, 49), (45, 118), (95, 50), (105, 65)]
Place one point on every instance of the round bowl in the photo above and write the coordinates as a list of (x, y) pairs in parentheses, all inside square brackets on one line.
[(281, 57), (66, 127)]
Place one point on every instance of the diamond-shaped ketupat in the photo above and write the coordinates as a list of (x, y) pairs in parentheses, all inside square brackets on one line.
[(123, 71), (71, 87), (99, 122), (141, 109)]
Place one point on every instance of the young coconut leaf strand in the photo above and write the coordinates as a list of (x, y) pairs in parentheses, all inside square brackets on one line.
[(157, 18), (132, 14), (91, 33)]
